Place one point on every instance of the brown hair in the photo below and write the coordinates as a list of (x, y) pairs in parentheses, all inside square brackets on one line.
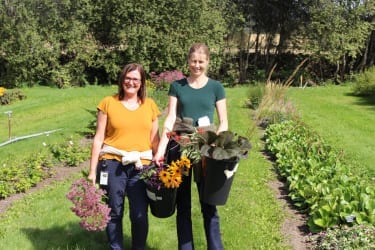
[(142, 90), (199, 47)]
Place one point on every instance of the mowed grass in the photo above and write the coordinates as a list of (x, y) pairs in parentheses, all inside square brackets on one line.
[(347, 122), (45, 109), (251, 219)]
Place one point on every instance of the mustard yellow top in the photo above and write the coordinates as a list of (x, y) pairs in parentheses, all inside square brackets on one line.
[(128, 130)]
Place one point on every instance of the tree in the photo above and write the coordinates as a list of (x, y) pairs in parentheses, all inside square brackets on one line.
[(338, 32)]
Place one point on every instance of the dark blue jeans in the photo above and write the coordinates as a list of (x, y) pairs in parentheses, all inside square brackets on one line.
[(124, 180), (183, 204)]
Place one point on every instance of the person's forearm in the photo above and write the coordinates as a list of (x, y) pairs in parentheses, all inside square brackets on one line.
[(95, 150), (223, 126)]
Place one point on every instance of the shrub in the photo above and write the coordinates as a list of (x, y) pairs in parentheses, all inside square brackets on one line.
[(365, 83), (166, 77), (8, 97), (256, 93)]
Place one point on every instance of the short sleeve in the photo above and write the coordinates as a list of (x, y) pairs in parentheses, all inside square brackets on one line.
[(219, 91), (104, 104), (173, 89), (155, 110)]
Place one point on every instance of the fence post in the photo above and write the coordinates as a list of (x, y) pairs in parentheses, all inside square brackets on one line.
[(9, 113)]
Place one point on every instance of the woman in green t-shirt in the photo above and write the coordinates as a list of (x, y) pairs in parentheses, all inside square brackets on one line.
[(196, 97)]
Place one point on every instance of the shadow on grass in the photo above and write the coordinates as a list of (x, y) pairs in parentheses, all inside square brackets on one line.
[(70, 236), (363, 100), (88, 130)]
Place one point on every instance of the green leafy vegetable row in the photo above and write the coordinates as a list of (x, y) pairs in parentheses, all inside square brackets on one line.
[(18, 174), (319, 181)]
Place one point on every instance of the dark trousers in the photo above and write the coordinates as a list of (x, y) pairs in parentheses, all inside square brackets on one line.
[(124, 180), (183, 204)]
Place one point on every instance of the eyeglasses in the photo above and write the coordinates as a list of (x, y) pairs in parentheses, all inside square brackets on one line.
[(135, 80)]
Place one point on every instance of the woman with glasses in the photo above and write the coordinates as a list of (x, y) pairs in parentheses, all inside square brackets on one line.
[(126, 138)]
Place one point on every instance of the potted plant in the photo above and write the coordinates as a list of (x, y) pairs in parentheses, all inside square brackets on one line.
[(219, 155), (162, 183)]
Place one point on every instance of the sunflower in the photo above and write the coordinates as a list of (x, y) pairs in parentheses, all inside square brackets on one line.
[(168, 175), (175, 169), (176, 181), (164, 176), (168, 182), (185, 162)]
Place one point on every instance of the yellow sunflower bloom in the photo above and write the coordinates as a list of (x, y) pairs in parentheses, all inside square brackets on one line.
[(176, 181), (169, 183), (164, 176), (185, 161)]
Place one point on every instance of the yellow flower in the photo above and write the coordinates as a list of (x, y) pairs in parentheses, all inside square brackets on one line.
[(174, 169), (176, 181), (164, 176), (185, 162), (2, 91), (168, 183)]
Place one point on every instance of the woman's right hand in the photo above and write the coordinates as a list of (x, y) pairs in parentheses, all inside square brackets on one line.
[(92, 177), (159, 158)]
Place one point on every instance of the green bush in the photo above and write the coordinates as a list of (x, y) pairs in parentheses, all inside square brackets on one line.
[(256, 93), (9, 96), (364, 84)]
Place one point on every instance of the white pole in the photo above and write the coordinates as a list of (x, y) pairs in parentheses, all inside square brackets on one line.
[(9, 113)]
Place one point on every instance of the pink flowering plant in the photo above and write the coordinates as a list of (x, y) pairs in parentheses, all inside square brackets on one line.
[(89, 205), (166, 76)]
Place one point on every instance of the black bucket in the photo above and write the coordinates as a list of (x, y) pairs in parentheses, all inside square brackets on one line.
[(216, 185)]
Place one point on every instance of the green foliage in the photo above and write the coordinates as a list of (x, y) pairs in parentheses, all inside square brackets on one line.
[(364, 84), (274, 106), (319, 181), (338, 31), (159, 96), (256, 93), (10, 96), (355, 237), (69, 43), (224, 146), (19, 175), (70, 153)]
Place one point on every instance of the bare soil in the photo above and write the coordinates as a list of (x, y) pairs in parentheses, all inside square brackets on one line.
[(294, 227)]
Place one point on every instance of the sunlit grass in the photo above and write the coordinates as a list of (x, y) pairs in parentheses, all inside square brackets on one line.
[(345, 121), (66, 110)]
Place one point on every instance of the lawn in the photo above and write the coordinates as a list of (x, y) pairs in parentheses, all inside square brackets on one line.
[(251, 219), (66, 110), (345, 121)]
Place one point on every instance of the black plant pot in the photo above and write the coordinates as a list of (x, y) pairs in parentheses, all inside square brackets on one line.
[(162, 201), (216, 185)]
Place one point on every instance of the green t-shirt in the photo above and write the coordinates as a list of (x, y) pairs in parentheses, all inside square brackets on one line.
[(196, 103)]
